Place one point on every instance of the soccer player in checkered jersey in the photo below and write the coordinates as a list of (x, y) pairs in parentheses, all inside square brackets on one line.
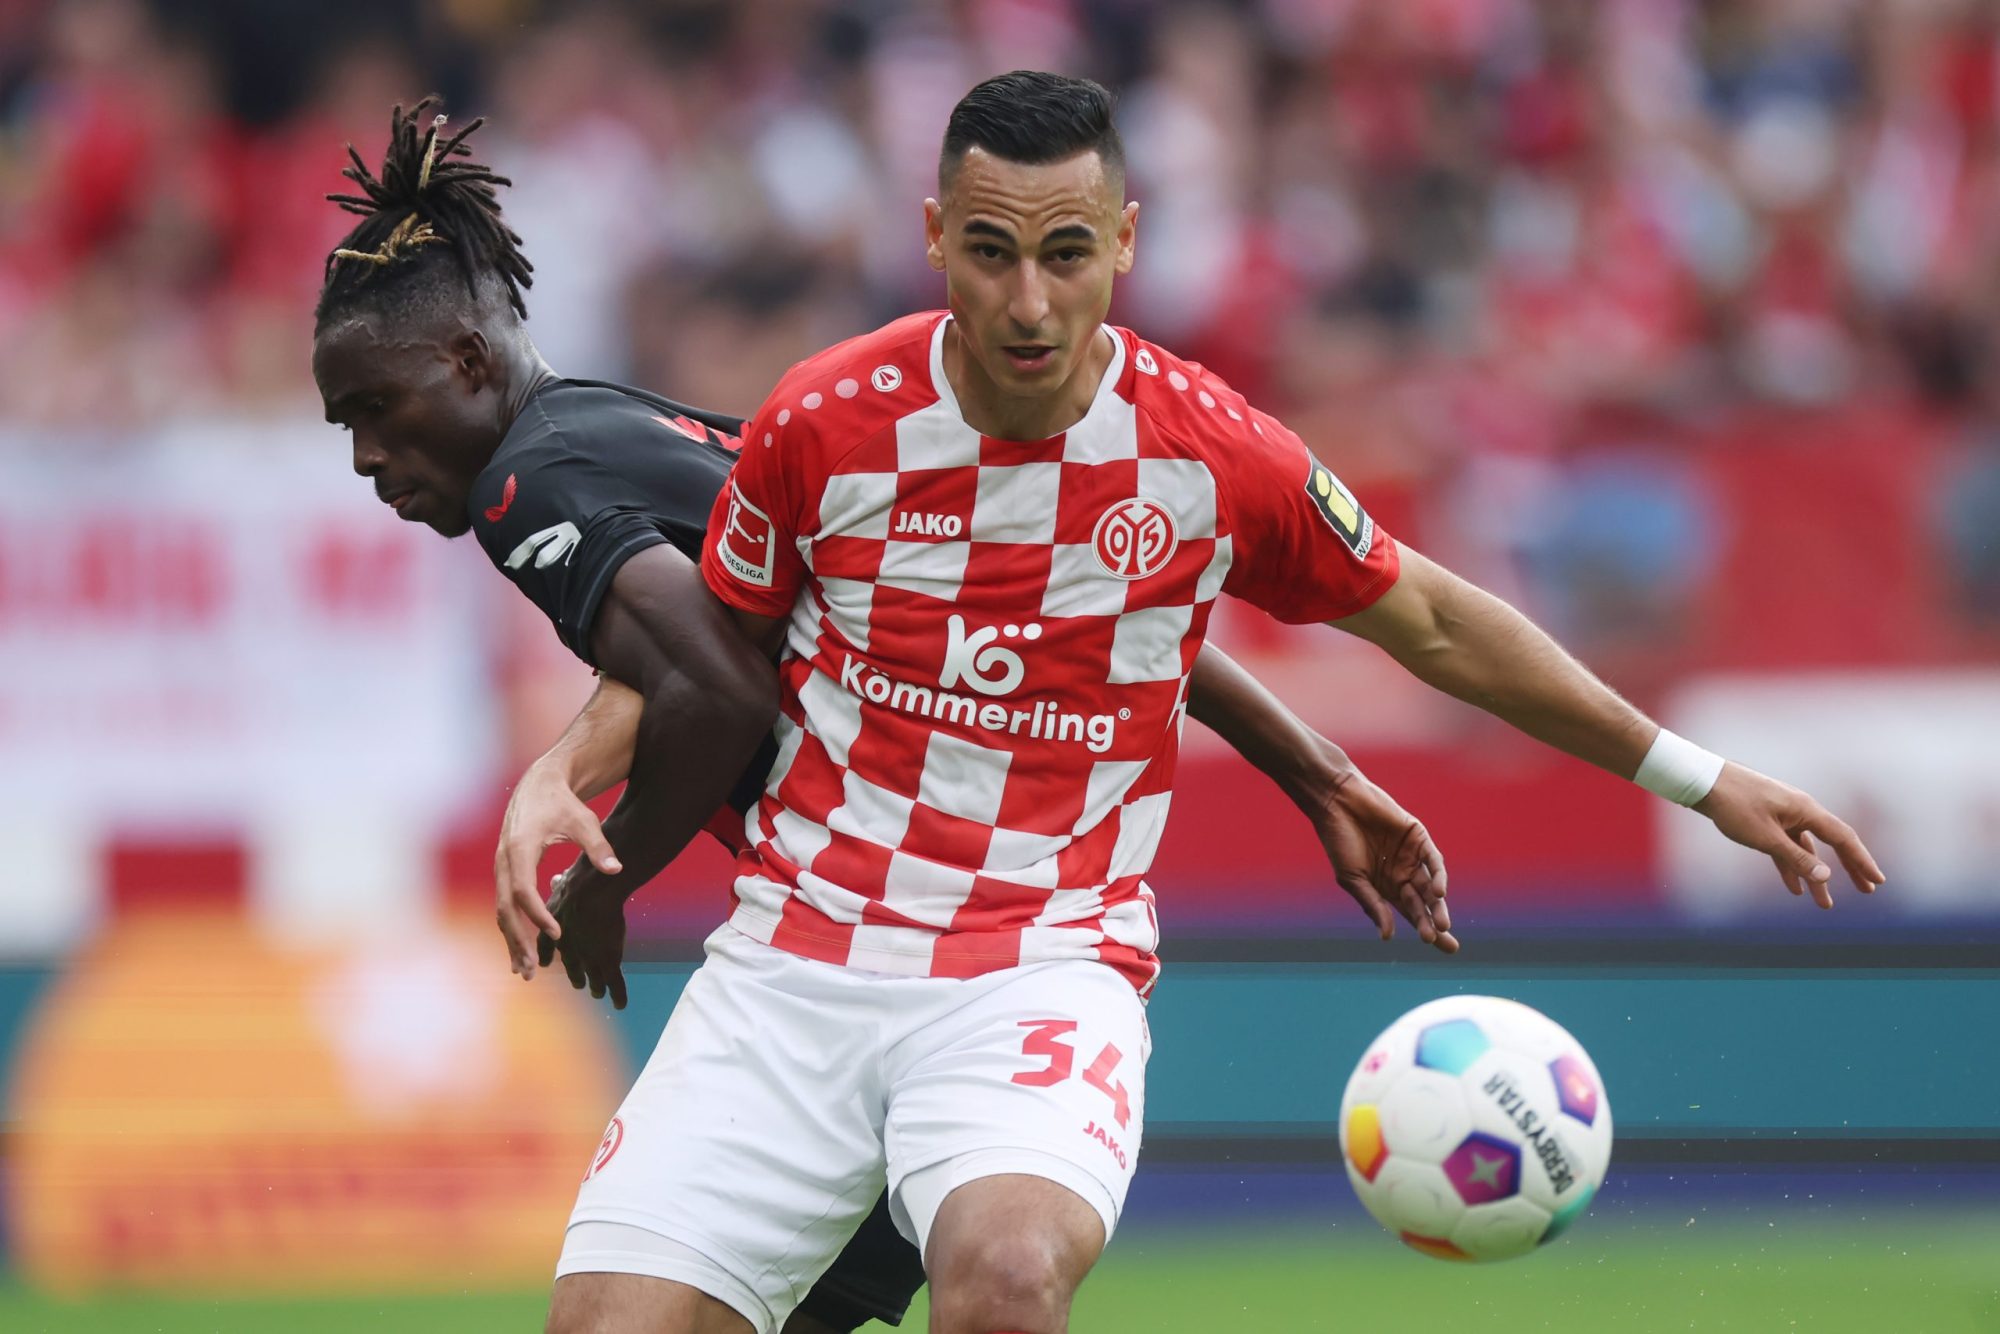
[(989, 540), (592, 498)]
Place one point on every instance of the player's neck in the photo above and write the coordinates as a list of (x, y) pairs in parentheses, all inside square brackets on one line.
[(526, 374), (989, 411)]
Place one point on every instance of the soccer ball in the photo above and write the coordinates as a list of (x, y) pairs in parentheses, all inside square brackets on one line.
[(1475, 1128)]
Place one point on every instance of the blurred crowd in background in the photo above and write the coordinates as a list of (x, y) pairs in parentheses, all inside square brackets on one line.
[(1507, 264), (1672, 321)]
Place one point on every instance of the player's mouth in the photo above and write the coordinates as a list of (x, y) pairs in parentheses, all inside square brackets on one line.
[(396, 500), (1029, 357)]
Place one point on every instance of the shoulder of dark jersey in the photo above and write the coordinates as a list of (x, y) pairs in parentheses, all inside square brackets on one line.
[(601, 422), (851, 392), (589, 416), (572, 432)]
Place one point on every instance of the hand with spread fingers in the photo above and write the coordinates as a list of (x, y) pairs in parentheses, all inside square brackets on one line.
[(1384, 858), (1787, 825)]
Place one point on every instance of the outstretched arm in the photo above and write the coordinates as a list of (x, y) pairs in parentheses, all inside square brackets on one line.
[(1381, 855), (1470, 644)]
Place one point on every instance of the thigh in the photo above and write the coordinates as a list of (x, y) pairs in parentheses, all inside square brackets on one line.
[(1041, 1073), (637, 1304), (1009, 1252), (751, 1141)]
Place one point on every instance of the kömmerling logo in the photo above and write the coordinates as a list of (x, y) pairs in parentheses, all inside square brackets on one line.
[(991, 669)]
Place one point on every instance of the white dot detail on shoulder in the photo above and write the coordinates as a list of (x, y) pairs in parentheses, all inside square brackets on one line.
[(1177, 380), (1234, 415), (784, 415), (1207, 399), (848, 388), (767, 439), (1258, 427), (888, 379), (811, 401)]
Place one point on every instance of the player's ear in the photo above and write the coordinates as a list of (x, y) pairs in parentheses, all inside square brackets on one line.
[(934, 234), (1128, 236), (471, 359)]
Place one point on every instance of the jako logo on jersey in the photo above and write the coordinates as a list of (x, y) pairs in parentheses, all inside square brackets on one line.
[(928, 525), (887, 379), (746, 547), (978, 661), (547, 547), (494, 513), (614, 1135), (1135, 538)]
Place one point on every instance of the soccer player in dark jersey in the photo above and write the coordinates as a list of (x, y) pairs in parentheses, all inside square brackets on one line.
[(594, 499)]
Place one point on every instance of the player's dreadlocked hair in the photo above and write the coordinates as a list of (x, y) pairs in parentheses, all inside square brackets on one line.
[(427, 222)]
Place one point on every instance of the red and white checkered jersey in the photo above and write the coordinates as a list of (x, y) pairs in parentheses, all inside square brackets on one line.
[(989, 644)]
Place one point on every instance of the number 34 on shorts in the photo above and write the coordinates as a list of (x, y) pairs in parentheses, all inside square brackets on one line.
[(1050, 1046)]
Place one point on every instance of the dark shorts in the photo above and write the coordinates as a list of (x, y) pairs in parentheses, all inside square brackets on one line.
[(873, 1279)]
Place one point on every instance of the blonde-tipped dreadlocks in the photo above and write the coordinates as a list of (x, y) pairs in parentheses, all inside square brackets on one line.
[(426, 202)]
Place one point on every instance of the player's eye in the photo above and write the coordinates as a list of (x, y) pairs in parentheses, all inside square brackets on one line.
[(988, 251), (1070, 256)]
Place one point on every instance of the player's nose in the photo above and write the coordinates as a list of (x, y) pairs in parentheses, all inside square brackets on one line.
[(1028, 303), (367, 456)]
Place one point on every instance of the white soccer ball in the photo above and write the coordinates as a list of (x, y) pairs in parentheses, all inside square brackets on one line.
[(1475, 1128)]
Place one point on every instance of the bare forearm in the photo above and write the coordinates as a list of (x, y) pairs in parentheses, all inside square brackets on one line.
[(1468, 643), (594, 752), (691, 747), (1235, 705), (707, 701)]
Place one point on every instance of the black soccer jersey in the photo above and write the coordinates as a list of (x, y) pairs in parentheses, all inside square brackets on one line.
[(589, 475)]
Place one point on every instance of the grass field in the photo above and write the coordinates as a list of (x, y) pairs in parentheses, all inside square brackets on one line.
[(1935, 1275)]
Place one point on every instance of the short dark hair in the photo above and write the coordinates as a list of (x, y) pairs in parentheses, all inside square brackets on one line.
[(1032, 116), (430, 228)]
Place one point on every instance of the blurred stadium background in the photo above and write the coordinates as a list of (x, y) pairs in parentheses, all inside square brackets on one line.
[(1673, 321)]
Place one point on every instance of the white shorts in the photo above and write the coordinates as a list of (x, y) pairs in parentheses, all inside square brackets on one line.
[(785, 1092)]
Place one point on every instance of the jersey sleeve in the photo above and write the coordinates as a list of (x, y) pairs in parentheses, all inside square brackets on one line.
[(751, 557), (560, 525), (1304, 548)]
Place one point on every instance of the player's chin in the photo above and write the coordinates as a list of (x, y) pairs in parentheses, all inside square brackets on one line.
[(454, 522)]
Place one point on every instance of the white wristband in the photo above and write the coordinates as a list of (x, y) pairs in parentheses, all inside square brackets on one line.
[(1678, 770)]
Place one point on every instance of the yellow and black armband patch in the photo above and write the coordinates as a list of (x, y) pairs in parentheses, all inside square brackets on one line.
[(1343, 513)]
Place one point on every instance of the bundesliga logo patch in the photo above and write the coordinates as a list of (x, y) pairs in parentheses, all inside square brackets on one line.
[(1342, 512), (746, 547)]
